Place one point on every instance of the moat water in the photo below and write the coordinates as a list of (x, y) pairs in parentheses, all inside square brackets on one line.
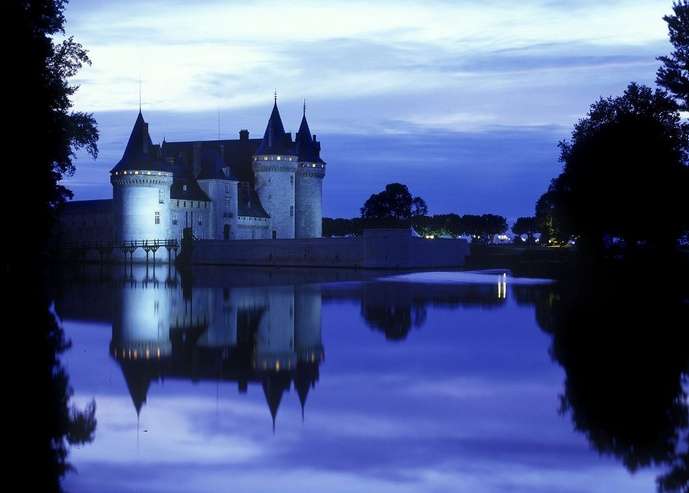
[(286, 380)]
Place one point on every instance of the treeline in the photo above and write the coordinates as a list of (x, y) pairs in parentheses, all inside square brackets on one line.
[(479, 227)]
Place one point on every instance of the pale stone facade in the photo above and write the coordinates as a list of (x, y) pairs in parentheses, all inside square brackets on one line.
[(222, 189)]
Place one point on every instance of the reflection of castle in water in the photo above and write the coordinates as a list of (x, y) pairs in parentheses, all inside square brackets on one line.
[(249, 326), (268, 335)]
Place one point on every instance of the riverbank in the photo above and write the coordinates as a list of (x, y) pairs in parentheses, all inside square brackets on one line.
[(522, 261)]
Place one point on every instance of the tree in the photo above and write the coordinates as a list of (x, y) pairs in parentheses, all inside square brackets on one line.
[(42, 136), (525, 226), (673, 74), (482, 228), (418, 207), (625, 172), (395, 202)]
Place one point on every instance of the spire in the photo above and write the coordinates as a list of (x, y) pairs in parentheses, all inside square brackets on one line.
[(308, 149), (275, 140)]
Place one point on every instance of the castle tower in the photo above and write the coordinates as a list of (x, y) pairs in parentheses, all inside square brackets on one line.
[(309, 184), (274, 166), (221, 188), (141, 189)]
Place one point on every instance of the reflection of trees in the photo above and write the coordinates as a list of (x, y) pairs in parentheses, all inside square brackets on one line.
[(49, 424), (622, 337), (394, 308)]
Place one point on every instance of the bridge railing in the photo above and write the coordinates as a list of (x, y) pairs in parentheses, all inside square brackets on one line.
[(123, 245)]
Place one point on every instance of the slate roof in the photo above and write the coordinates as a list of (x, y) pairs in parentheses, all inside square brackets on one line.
[(140, 153), (103, 206), (248, 203), (308, 149), (212, 165), (275, 140), (237, 154)]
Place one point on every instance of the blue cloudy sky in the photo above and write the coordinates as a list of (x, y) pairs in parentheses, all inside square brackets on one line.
[(463, 101)]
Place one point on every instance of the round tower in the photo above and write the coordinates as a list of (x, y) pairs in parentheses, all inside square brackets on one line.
[(274, 166), (141, 190), (308, 184)]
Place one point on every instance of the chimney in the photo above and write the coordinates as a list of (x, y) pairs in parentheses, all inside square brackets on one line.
[(243, 134)]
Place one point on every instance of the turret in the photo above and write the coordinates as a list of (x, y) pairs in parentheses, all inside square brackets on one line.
[(141, 189), (309, 184), (274, 166)]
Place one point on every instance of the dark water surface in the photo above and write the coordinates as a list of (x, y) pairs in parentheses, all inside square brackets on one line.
[(249, 380)]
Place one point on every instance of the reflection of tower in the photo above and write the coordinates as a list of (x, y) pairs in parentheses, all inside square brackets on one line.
[(267, 335), (140, 329), (275, 338), (308, 343)]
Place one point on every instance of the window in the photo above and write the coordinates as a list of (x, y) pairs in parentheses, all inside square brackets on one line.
[(275, 235), (291, 211), (291, 179), (174, 218), (157, 217), (161, 196)]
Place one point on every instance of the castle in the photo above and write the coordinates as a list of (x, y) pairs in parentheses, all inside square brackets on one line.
[(221, 189)]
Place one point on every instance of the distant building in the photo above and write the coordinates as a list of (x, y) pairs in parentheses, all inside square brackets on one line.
[(222, 189)]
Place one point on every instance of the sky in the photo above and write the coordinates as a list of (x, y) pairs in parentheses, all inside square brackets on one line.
[(462, 101)]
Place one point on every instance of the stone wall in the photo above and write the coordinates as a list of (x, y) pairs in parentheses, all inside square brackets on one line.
[(376, 249)]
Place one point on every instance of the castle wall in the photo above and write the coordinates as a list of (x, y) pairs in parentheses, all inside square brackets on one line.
[(193, 214), (376, 249), (223, 207), (252, 228), (275, 184), (309, 201)]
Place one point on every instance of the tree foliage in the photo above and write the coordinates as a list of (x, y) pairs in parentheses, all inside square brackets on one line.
[(525, 226), (673, 74), (624, 175), (45, 133), (395, 202)]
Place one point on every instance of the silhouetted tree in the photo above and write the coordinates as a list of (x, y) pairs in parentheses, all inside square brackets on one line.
[(395, 202), (625, 173), (42, 135), (482, 228), (673, 74), (525, 226)]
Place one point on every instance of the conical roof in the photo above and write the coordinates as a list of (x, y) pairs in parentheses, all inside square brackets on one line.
[(140, 153), (138, 380), (275, 140), (273, 387), (307, 149)]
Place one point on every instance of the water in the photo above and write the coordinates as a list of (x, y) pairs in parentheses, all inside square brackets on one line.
[(288, 380)]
